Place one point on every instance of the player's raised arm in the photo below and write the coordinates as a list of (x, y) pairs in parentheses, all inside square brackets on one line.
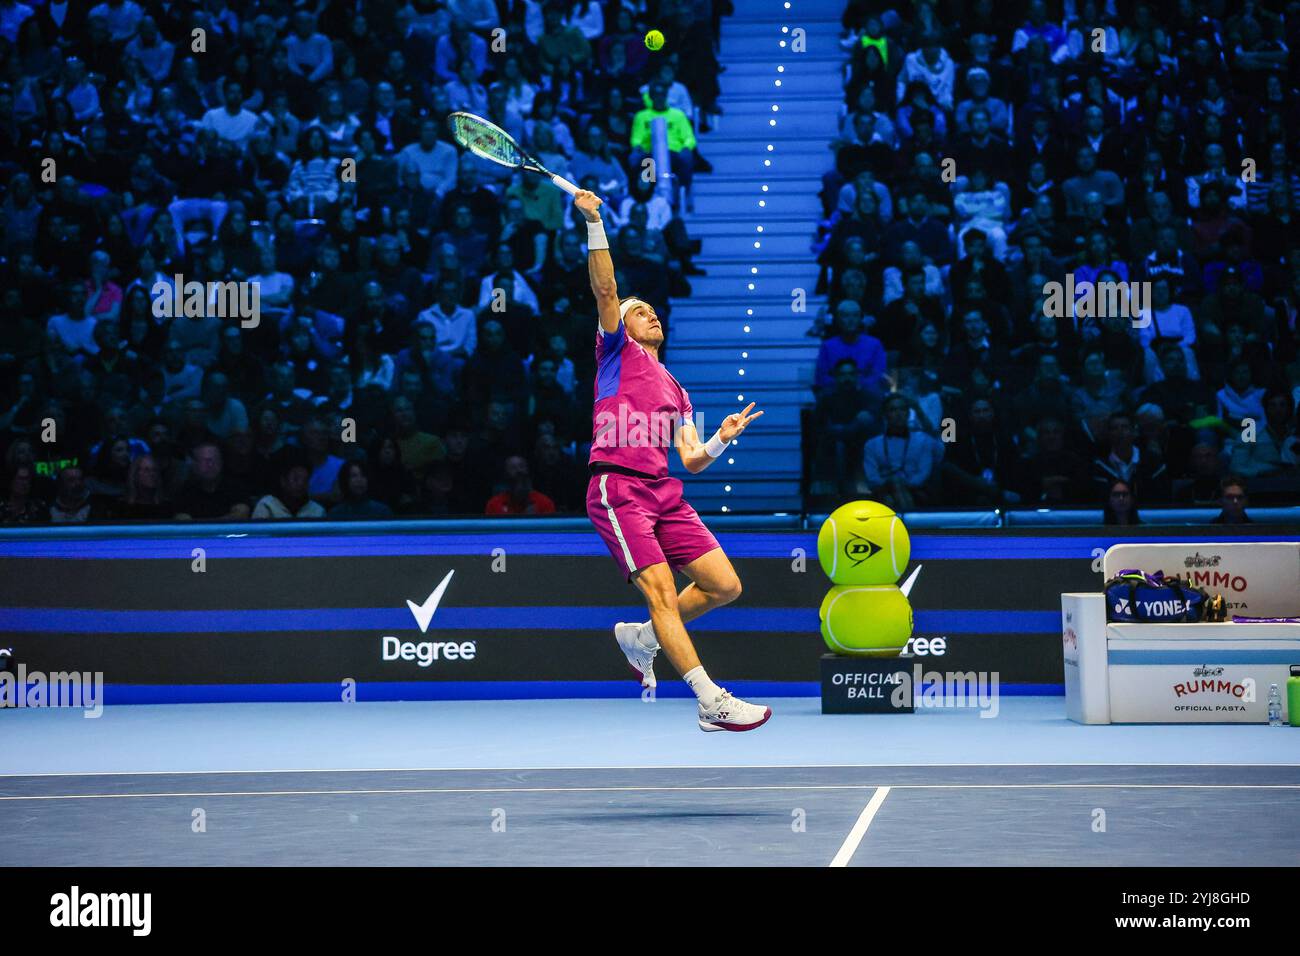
[(599, 264)]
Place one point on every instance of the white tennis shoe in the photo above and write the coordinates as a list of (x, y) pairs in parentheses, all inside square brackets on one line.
[(732, 713), (639, 657)]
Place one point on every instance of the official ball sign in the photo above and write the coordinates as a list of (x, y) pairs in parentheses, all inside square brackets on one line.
[(857, 685)]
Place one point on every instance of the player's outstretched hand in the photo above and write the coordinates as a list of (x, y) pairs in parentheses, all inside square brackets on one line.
[(735, 423), (588, 204)]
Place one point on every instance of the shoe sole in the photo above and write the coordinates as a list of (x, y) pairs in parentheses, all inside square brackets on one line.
[(630, 666), (737, 728)]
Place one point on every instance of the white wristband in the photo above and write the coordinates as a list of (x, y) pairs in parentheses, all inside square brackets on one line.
[(596, 236), (715, 446)]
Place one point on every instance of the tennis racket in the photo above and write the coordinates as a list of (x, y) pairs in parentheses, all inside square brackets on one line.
[(486, 139)]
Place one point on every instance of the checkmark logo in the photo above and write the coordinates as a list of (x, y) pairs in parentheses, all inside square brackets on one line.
[(424, 612), (906, 586)]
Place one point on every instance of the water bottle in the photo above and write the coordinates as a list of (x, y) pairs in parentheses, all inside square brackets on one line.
[(1274, 706)]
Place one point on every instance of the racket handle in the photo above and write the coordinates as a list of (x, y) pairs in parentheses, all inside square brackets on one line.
[(564, 184)]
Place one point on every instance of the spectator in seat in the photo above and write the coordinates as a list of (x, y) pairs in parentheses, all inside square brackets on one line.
[(1232, 502), (292, 501), (520, 497), (931, 65), (483, 203), (1124, 460), (979, 467), (1275, 448), (1182, 398), (999, 117), (355, 500), (851, 342), (919, 226), (902, 465), (980, 147), (144, 498), (1167, 261), (434, 159), (1167, 323), (313, 185), (181, 379), (1047, 393), (1240, 398), (560, 40), (324, 467), (595, 158), (470, 240), (1215, 170), (548, 402), (455, 327), (1100, 393), (225, 412), (230, 121), (72, 500), (435, 366), (1201, 484), (419, 449), (504, 263), (1089, 179), (681, 136), (20, 506), (901, 318), (1120, 507), (983, 209), (311, 55), (911, 260), (845, 416), (207, 495), (1053, 475), (975, 349), (557, 475)]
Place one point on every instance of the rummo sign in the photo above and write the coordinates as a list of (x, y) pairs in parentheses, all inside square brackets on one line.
[(1192, 693)]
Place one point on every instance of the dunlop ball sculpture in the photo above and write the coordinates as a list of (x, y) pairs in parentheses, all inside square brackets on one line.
[(863, 542), (866, 620)]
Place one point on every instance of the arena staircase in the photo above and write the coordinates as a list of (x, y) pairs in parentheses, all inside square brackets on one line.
[(756, 216)]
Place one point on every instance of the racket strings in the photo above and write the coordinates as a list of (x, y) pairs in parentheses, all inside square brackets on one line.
[(485, 141)]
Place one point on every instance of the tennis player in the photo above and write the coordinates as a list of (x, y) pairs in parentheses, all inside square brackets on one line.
[(638, 509)]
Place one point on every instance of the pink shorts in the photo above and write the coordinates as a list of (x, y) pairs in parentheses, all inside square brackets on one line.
[(645, 521)]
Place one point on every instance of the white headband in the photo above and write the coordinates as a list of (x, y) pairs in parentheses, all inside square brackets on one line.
[(626, 306)]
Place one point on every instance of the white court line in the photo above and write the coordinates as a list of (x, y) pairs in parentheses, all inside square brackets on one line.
[(800, 787), (596, 769), (850, 844)]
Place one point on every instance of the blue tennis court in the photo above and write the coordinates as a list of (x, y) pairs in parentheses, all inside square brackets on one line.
[(623, 782)]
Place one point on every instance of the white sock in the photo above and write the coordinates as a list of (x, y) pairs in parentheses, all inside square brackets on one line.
[(705, 690), (646, 636)]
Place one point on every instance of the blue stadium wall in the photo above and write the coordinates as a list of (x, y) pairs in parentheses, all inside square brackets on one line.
[(301, 612)]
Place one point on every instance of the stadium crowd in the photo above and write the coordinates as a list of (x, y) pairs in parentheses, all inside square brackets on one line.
[(988, 150), (422, 343)]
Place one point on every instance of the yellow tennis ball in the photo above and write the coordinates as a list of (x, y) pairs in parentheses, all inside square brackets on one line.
[(866, 621), (864, 542), (654, 40)]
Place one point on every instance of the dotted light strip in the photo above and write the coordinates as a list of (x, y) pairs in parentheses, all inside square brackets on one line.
[(762, 204)]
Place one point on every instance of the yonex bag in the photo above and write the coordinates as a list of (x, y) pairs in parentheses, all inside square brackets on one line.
[(1154, 598)]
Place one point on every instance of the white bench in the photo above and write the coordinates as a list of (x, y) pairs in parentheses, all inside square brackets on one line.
[(1186, 673)]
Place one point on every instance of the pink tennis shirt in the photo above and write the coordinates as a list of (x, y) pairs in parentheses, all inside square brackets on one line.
[(638, 405)]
